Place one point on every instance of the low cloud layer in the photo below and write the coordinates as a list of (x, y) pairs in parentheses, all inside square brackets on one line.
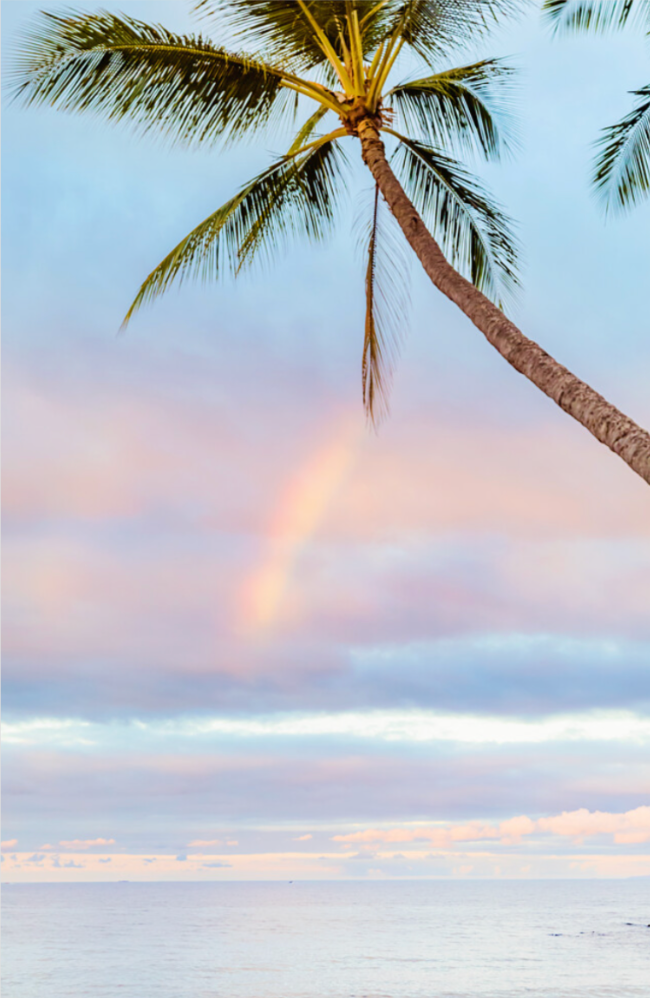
[(629, 828), (571, 844), (221, 791), (522, 674)]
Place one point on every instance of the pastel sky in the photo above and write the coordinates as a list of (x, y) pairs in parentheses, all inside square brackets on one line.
[(246, 637)]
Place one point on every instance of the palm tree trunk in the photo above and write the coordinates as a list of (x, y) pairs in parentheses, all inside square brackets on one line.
[(603, 420)]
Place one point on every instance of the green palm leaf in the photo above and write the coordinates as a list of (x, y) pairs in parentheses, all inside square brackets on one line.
[(307, 130), (622, 170), (182, 85), (434, 27), (386, 307), (284, 29), (458, 107), (589, 15), (295, 196), (472, 230), (621, 174)]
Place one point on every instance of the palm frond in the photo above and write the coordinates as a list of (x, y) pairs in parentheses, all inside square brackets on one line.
[(386, 307), (622, 169), (280, 28), (295, 196), (117, 66), (588, 15), (473, 232), (435, 27), (460, 107), (307, 130), (284, 28)]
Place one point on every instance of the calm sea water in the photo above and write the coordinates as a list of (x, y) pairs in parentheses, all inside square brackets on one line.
[(586, 939)]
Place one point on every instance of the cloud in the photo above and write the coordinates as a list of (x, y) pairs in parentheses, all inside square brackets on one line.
[(528, 674), (441, 838), (309, 783), (9, 843), (378, 727), (201, 843), (491, 860), (125, 451), (303, 838), (628, 828), (74, 844), (514, 828)]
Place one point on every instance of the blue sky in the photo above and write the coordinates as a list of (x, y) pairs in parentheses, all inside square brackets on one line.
[(236, 617)]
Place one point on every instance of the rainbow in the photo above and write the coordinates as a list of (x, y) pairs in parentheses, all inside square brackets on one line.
[(303, 504)]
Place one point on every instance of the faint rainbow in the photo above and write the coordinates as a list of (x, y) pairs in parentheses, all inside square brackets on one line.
[(299, 512)]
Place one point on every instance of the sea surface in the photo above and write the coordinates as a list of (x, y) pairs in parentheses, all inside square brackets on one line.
[(404, 939)]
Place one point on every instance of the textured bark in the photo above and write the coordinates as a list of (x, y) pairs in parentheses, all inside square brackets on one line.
[(603, 420)]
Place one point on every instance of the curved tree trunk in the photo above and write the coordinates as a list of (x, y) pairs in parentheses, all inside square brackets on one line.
[(603, 420)]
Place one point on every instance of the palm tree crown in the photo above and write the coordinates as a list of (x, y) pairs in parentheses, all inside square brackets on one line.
[(622, 167), (340, 56)]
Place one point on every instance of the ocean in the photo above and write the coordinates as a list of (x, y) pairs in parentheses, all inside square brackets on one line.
[(401, 939)]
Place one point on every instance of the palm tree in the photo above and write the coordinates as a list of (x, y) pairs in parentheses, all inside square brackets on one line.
[(622, 166), (340, 58)]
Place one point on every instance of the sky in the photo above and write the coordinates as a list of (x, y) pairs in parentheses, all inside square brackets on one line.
[(245, 636)]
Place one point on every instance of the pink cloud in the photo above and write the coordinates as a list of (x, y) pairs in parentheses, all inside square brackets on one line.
[(513, 829), (631, 827), (631, 838), (118, 454), (87, 596), (119, 451), (439, 837), (127, 449), (612, 866), (75, 844), (526, 473), (9, 843)]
